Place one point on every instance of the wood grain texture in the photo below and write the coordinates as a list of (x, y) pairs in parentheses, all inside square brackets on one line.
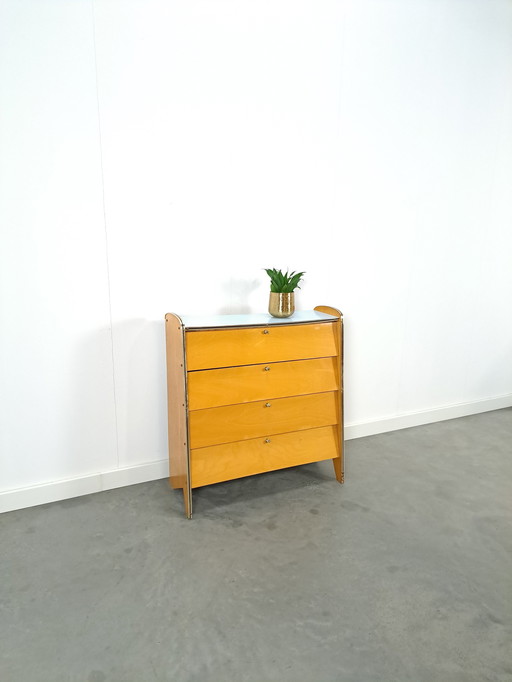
[(228, 386), (253, 345), (245, 458), (240, 422), (179, 463), (339, 461), (264, 398)]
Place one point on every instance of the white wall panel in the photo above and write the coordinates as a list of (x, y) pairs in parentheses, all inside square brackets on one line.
[(56, 388), (425, 92), (366, 142), (219, 161)]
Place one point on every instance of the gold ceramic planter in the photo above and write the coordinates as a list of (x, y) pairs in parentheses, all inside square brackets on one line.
[(281, 305)]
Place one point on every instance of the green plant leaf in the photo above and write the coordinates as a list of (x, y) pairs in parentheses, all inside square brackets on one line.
[(283, 283), (294, 282), (271, 272)]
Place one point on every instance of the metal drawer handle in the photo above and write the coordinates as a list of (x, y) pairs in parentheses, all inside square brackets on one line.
[(267, 369), (267, 440), (265, 331), (268, 405)]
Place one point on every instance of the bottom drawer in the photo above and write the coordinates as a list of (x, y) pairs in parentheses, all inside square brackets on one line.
[(245, 458)]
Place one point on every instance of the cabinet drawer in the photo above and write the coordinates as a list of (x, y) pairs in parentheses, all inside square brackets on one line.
[(253, 345), (215, 387), (245, 458), (249, 420)]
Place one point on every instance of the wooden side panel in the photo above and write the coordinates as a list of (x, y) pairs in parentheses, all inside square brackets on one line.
[(245, 458), (253, 345), (339, 461), (240, 422), (232, 385), (179, 464)]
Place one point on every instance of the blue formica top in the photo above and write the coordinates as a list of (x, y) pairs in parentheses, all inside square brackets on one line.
[(253, 319)]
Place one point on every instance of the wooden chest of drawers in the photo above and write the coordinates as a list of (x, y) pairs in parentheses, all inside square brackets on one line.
[(252, 393)]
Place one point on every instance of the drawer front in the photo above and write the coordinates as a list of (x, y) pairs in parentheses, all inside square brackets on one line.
[(253, 345), (240, 422), (245, 458), (215, 387)]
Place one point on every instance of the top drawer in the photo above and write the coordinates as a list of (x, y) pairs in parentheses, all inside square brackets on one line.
[(252, 345)]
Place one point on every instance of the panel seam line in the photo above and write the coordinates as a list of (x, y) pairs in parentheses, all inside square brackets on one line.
[(102, 175)]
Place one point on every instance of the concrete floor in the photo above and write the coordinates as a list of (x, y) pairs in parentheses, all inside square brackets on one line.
[(404, 573)]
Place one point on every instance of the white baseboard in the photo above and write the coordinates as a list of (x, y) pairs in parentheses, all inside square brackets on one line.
[(10, 500), (20, 498), (438, 414)]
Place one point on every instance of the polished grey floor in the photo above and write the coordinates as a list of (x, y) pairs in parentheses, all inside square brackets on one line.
[(404, 573)]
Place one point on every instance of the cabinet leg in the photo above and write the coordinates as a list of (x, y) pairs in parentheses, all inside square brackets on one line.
[(337, 469), (187, 499)]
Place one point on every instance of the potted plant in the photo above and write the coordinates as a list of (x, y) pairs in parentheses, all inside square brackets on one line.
[(282, 286)]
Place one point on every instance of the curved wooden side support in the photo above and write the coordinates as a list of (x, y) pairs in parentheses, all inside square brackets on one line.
[(179, 457), (338, 461), (329, 311)]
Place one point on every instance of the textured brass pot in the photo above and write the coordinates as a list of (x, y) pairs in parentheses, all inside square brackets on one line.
[(281, 305)]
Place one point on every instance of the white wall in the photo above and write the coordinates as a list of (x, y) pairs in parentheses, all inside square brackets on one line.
[(155, 156)]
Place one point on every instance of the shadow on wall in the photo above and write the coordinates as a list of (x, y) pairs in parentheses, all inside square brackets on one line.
[(141, 392), (237, 291), (80, 427), (140, 377)]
